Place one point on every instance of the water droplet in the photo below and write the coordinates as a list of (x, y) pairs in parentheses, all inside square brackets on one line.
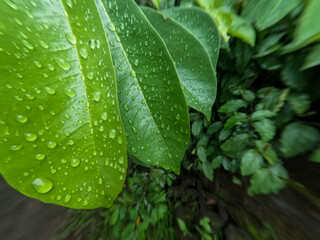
[(112, 133), (51, 144), (104, 116), (30, 137), (120, 141), (65, 65), (11, 4), (21, 118), (74, 162), (15, 147), (125, 107), (67, 198), (27, 44), (70, 142), (107, 162), (70, 92), (133, 74), (111, 26), (44, 45), (100, 181), (83, 52), (96, 96), (40, 156), (37, 64), (85, 203), (71, 38), (42, 185), (136, 62), (49, 90), (92, 44), (121, 160), (69, 3)]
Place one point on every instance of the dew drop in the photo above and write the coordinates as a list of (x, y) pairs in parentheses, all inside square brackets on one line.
[(37, 64), (67, 198), (112, 133), (96, 96), (70, 92), (30, 137), (74, 162), (121, 160), (11, 4), (21, 118), (15, 147), (104, 116), (44, 44), (40, 156), (49, 90), (69, 3), (120, 141), (71, 38), (83, 52), (42, 185), (111, 26), (65, 65), (51, 144)]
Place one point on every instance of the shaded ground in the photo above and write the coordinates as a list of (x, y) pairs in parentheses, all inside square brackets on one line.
[(24, 218)]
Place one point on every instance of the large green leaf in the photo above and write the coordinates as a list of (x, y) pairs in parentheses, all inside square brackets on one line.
[(201, 25), (192, 61), (313, 59), (307, 30), (61, 139), (265, 13), (153, 107)]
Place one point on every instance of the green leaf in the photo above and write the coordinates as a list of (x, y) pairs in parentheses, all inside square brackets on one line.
[(236, 146), (201, 25), (59, 104), (156, 3), (192, 61), (300, 103), (251, 162), (236, 119), (266, 128), (261, 114), (267, 13), (207, 170), (217, 161), (297, 138), (248, 95), (315, 156), (313, 59), (268, 180), (153, 108), (196, 127), (241, 28), (267, 152), (232, 106), (224, 134), (307, 30), (201, 152), (215, 127), (182, 225)]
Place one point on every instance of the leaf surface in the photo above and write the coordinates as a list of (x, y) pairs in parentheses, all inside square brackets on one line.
[(152, 104), (63, 140), (201, 25), (192, 61)]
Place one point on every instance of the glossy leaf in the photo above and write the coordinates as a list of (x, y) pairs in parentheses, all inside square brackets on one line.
[(266, 13), (192, 61), (242, 28), (297, 138), (268, 180), (63, 140), (152, 104), (251, 162), (201, 25), (156, 3), (266, 128), (307, 30), (313, 58)]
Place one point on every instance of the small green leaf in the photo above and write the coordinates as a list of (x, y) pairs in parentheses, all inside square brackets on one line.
[(248, 95), (217, 161), (268, 180), (267, 13), (241, 28), (152, 104), (261, 114), (251, 162), (313, 58), (267, 151), (300, 103), (192, 61), (236, 146), (182, 225), (224, 134), (297, 138), (207, 170), (59, 104), (156, 3), (215, 127), (196, 127), (201, 152), (315, 156), (236, 119), (232, 106), (266, 128)]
